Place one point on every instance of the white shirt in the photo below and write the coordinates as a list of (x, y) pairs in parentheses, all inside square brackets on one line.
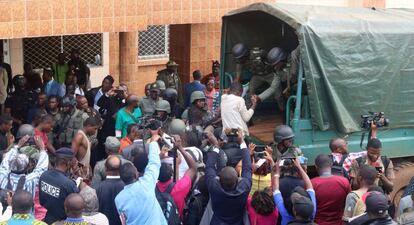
[(234, 113)]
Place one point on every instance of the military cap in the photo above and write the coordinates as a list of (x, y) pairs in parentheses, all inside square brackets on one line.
[(171, 63)]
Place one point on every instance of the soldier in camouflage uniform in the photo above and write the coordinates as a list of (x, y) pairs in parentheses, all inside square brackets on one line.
[(283, 136), (163, 112), (263, 71), (197, 113), (147, 104), (71, 121), (171, 78)]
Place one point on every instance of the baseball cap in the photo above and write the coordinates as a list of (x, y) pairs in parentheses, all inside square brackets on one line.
[(112, 143), (64, 153), (303, 207), (376, 202)]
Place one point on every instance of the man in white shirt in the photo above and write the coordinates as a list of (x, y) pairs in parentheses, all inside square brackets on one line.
[(234, 113)]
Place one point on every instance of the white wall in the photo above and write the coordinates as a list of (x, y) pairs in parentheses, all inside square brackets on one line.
[(97, 72), (399, 4)]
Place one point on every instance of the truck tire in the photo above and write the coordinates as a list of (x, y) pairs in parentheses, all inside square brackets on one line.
[(404, 171)]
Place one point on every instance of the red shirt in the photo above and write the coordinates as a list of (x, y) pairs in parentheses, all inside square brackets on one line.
[(43, 136), (330, 193), (179, 191), (257, 219)]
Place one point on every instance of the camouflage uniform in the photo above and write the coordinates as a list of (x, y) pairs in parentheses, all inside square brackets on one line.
[(292, 151), (171, 80), (69, 126), (147, 105)]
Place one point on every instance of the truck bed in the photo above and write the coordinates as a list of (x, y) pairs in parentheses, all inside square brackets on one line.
[(263, 126)]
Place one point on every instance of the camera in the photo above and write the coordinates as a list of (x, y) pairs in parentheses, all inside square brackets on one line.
[(232, 133), (377, 118), (150, 122), (259, 151)]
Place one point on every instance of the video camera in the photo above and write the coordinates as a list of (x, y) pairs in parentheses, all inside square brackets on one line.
[(150, 122), (376, 118)]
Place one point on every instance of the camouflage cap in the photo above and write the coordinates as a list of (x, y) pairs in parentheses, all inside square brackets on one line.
[(31, 151)]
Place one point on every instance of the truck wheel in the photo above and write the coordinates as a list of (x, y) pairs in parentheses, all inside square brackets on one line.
[(404, 171)]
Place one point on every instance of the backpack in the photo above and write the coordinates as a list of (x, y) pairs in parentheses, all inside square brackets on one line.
[(168, 206), (384, 159), (195, 209), (337, 167)]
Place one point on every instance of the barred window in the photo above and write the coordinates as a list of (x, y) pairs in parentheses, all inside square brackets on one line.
[(153, 43), (43, 51)]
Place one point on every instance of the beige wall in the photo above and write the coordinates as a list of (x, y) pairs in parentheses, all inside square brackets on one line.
[(97, 72)]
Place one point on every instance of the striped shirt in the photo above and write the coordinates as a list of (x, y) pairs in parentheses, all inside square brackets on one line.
[(32, 179), (351, 157)]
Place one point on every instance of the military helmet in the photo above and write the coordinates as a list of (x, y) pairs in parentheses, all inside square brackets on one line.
[(196, 95), (177, 127), (282, 133), (276, 55), (239, 50), (154, 87), (170, 93), (68, 101), (163, 106), (160, 84), (25, 129)]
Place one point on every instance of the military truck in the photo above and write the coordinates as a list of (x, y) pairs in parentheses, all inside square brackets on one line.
[(352, 61)]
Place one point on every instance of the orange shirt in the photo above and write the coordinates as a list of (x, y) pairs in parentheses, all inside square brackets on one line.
[(125, 142)]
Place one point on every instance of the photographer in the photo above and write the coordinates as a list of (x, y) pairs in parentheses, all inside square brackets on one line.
[(15, 170), (180, 189), (383, 164), (109, 104), (229, 193), (287, 214), (262, 164), (94, 94)]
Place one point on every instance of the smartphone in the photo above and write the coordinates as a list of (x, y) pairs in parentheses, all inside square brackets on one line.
[(379, 169)]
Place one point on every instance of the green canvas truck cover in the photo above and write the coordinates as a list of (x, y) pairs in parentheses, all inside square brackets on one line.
[(355, 60)]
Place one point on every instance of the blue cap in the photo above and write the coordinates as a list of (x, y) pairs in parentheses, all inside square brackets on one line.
[(64, 153)]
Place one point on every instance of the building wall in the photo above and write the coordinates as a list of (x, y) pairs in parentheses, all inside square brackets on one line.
[(97, 72), (195, 30)]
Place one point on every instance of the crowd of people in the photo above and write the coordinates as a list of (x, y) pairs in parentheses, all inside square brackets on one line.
[(181, 154)]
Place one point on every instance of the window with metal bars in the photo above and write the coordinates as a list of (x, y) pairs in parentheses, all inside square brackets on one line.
[(153, 42), (42, 52)]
